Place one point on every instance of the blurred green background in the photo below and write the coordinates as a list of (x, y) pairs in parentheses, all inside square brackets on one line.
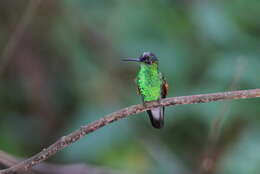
[(65, 71)]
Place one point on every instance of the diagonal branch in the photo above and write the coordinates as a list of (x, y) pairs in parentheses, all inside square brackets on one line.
[(134, 109)]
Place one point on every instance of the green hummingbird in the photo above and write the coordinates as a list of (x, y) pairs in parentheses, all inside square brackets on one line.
[(151, 85)]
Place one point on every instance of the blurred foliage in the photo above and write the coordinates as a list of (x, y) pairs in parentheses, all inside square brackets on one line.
[(66, 72)]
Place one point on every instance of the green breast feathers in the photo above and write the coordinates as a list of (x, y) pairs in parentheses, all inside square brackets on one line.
[(149, 81)]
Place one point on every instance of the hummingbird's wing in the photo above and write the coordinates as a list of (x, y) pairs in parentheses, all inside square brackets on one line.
[(165, 88)]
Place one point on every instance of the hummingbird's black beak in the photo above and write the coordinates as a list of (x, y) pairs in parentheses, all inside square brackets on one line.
[(131, 59)]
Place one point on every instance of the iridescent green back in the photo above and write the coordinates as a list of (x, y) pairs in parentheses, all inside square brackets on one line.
[(149, 81)]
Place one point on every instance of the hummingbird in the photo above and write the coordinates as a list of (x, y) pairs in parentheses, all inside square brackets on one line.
[(151, 85)]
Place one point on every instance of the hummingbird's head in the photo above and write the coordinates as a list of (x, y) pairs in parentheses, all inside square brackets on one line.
[(147, 58)]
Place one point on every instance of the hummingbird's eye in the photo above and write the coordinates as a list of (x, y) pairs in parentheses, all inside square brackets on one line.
[(142, 59)]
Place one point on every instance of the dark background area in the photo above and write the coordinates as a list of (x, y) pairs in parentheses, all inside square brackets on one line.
[(64, 71)]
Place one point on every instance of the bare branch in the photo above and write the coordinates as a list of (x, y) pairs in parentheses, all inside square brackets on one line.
[(135, 109)]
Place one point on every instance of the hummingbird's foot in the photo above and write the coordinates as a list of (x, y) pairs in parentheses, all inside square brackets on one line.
[(146, 103)]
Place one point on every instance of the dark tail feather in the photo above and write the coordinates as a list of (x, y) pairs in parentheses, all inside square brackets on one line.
[(157, 117)]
